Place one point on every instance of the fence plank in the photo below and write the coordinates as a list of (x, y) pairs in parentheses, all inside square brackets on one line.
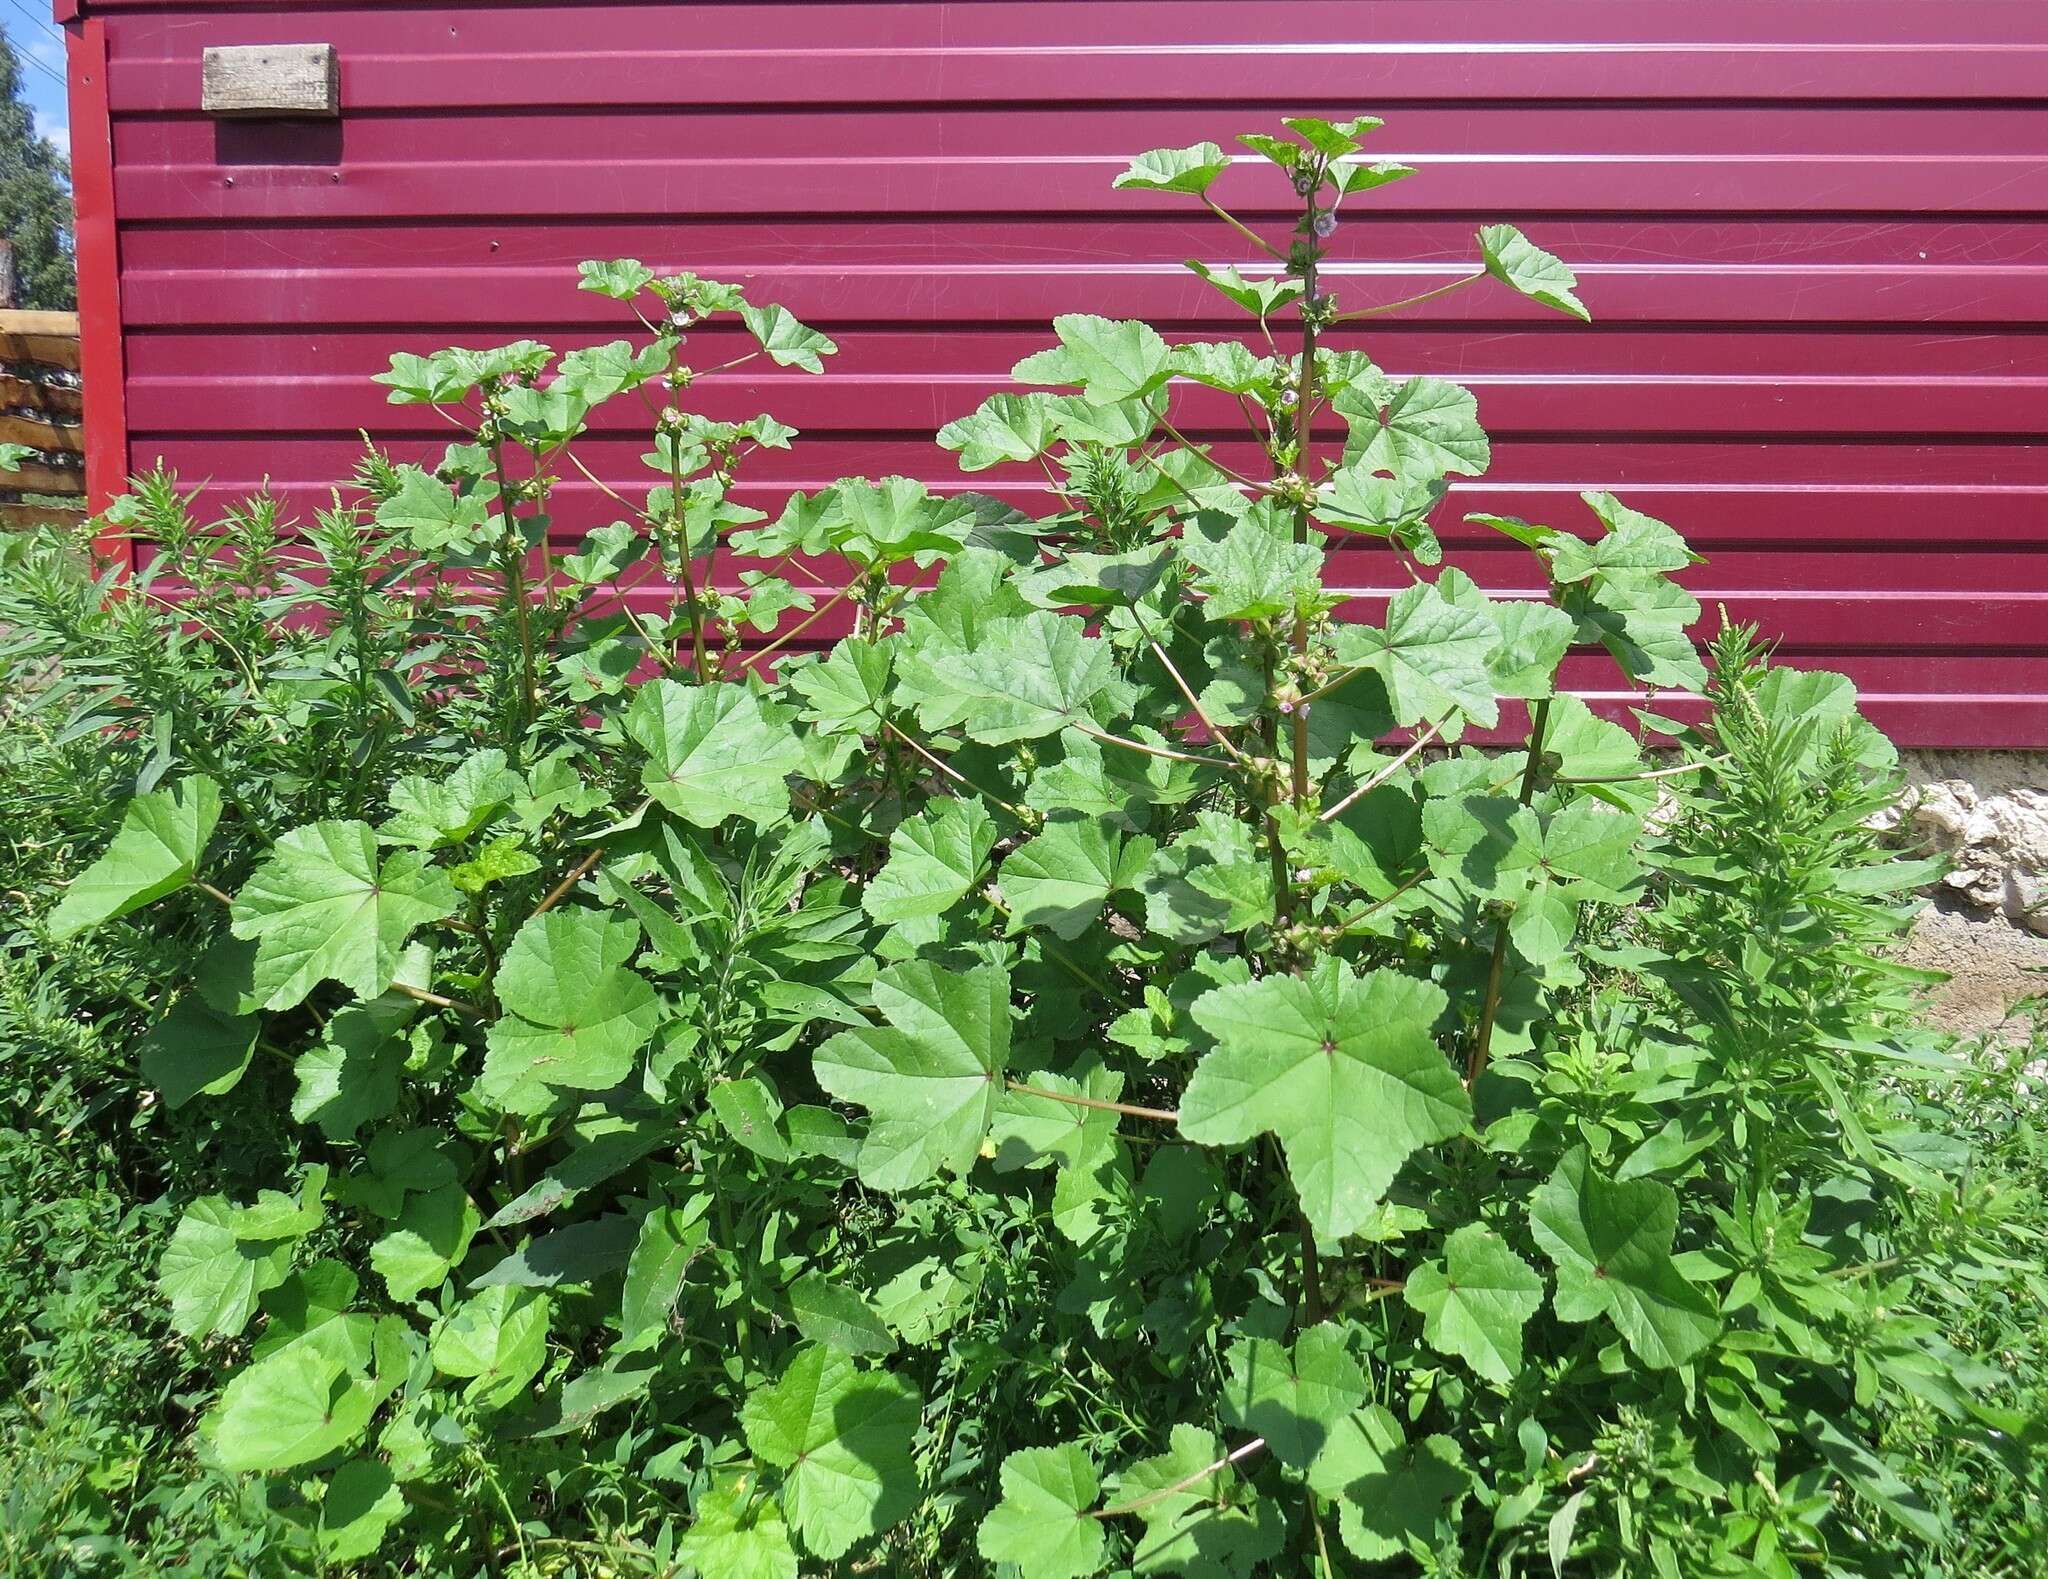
[(25, 517), (48, 338), (34, 478), (55, 400), (38, 434)]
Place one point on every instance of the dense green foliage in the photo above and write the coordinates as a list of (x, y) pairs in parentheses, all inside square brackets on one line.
[(1085, 1074), (35, 199)]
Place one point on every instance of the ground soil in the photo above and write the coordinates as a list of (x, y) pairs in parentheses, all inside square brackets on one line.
[(1991, 964)]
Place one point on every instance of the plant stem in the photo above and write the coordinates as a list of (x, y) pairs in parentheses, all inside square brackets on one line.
[(953, 773), (1159, 1115), (582, 868), (616, 497), (512, 553), (1411, 301), (1311, 1277), (212, 893), (1322, 1543), (1489, 1010), (1055, 952), (1243, 229), (407, 990), (1192, 448), (1137, 1504), (682, 529), (1381, 777), (1645, 778), (1203, 718), (802, 625), (1151, 751)]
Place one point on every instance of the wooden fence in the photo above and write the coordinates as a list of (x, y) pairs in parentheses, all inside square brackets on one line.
[(41, 405)]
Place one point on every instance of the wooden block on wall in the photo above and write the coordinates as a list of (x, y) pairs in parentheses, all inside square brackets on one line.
[(271, 79)]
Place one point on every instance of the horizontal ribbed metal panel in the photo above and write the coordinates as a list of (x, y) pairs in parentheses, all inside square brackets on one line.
[(1814, 235)]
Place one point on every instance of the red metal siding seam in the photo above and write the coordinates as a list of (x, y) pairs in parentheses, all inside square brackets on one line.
[(96, 234)]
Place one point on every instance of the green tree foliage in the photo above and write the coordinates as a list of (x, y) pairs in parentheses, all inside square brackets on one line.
[(1063, 1059), (35, 199)]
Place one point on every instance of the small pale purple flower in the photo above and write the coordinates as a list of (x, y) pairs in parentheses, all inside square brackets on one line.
[(1325, 226)]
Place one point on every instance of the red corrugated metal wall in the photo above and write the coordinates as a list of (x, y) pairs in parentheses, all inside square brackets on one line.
[(1814, 235)]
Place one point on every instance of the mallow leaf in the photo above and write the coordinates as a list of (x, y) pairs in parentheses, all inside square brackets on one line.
[(1389, 1492), (496, 1340), (1332, 139), (324, 908), (929, 1077), (1433, 656), (1061, 878), (837, 1316), (842, 1437), (1632, 541), (595, 373), (218, 1262), (619, 278), (162, 836), (1005, 427), (1113, 359), (713, 752), (847, 692), (1512, 258), (1264, 295), (1042, 1524), (1612, 1245), (362, 1503), (936, 859), (1293, 1397), (195, 1050), (431, 1236), (350, 1077), (428, 813), (435, 517), (738, 1534), (1022, 679), (788, 342), (1254, 571), (308, 1397), (1190, 169), (1425, 427), (1475, 1302), (1214, 1527), (1341, 1067), (1359, 499), (575, 1015)]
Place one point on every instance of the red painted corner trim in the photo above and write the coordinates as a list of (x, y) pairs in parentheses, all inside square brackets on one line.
[(101, 360), (66, 10)]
